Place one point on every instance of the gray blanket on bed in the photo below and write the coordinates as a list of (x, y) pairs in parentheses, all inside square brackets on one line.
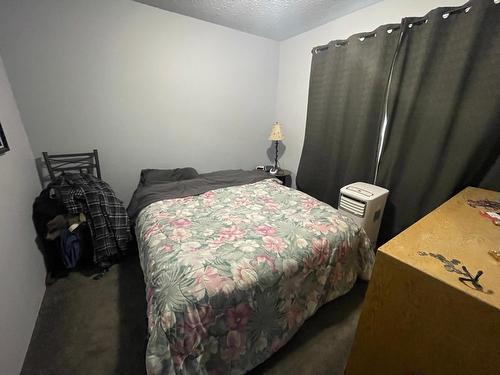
[(144, 195)]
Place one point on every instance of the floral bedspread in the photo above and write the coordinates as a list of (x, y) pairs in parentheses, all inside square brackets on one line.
[(233, 273)]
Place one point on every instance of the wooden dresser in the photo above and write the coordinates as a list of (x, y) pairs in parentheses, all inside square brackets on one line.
[(418, 318)]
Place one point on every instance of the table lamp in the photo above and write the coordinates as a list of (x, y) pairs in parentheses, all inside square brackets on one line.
[(276, 136)]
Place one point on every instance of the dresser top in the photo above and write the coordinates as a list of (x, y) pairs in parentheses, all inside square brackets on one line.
[(454, 231)]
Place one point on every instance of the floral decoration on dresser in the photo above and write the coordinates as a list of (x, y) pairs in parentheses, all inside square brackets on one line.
[(466, 277)]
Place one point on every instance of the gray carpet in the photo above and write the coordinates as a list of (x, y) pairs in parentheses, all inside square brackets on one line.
[(88, 326)]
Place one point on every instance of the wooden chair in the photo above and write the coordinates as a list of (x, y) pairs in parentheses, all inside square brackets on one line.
[(77, 163)]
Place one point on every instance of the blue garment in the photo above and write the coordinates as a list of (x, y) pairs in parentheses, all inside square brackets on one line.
[(70, 249)]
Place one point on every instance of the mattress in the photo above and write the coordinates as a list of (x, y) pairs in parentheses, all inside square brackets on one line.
[(232, 274)]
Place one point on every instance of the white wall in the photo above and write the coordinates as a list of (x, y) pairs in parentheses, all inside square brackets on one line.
[(148, 88), (295, 62), (21, 264)]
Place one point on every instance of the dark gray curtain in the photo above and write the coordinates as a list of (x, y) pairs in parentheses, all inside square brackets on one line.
[(444, 126), (443, 111), (346, 96)]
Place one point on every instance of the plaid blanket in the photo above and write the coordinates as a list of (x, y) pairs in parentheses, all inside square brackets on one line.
[(107, 218)]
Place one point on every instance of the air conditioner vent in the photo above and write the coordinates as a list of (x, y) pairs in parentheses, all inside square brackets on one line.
[(352, 205), (363, 192), (364, 204)]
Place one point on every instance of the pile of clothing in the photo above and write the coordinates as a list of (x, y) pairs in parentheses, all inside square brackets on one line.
[(79, 220)]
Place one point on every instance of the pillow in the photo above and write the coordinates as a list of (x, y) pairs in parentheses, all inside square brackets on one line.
[(159, 176)]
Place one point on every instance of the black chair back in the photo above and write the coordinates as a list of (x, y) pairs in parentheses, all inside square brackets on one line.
[(76, 163)]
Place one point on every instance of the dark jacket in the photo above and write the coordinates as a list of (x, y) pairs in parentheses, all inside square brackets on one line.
[(106, 216)]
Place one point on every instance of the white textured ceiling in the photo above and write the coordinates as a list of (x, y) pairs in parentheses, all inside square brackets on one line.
[(275, 19)]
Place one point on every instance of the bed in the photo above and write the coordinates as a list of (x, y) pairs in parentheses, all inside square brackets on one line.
[(234, 263)]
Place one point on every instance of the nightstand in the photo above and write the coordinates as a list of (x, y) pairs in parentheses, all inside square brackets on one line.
[(284, 176)]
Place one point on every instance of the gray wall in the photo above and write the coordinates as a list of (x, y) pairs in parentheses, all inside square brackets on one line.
[(21, 265), (148, 88)]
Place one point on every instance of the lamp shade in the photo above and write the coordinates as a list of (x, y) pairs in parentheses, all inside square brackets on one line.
[(276, 133)]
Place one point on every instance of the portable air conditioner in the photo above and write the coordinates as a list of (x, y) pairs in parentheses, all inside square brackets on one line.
[(365, 204)]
